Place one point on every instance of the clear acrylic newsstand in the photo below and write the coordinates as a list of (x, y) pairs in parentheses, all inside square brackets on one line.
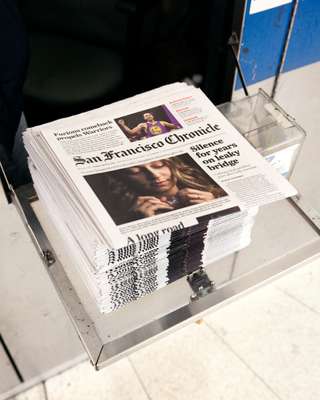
[(285, 235), (271, 131)]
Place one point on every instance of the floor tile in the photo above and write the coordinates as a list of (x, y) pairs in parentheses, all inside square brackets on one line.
[(117, 381), (33, 321), (277, 337), (304, 285), (35, 393), (194, 364)]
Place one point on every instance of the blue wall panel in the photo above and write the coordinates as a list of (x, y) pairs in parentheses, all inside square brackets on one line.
[(264, 35), (304, 47)]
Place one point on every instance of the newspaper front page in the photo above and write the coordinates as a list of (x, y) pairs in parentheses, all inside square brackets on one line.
[(159, 167)]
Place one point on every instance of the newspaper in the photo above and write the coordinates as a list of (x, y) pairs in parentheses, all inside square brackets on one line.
[(149, 189), (158, 168)]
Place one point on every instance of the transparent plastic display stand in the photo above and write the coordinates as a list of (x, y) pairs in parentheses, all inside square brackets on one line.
[(285, 235), (268, 128)]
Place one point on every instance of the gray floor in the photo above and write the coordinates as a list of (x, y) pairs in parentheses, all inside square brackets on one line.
[(264, 346)]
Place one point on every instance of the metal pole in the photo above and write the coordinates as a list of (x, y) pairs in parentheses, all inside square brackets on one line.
[(285, 47), (232, 42)]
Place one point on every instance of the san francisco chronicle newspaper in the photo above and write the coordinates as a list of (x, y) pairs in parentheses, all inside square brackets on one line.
[(145, 168), (191, 144)]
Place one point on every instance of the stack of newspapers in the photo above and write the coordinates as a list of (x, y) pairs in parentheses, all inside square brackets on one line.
[(149, 189)]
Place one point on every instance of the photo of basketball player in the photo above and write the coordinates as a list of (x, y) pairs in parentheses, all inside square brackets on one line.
[(149, 123), (154, 188)]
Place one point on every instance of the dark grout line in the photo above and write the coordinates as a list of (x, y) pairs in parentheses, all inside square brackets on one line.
[(139, 379), (11, 359), (45, 392), (243, 361), (292, 297)]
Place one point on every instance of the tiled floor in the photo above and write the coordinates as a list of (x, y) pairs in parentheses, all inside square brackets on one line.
[(265, 346)]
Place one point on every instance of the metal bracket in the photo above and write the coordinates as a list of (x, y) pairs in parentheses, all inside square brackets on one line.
[(48, 257), (200, 284)]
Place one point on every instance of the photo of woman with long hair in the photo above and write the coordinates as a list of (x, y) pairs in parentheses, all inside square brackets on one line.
[(154, 188)]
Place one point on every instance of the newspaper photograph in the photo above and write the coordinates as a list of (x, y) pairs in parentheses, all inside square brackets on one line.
[(148, 123), (153, 188)]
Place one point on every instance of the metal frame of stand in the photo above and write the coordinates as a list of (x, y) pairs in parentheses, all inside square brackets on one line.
[(100, 353), (107, 338)]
